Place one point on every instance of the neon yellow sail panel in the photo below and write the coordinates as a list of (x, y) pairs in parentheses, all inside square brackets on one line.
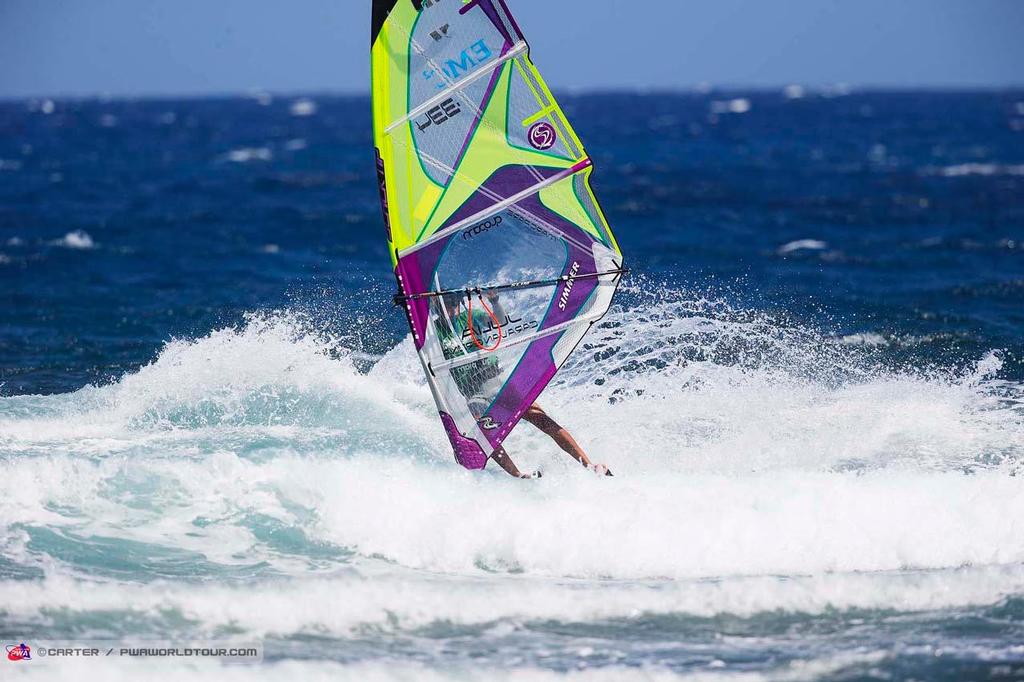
[(503, 257)]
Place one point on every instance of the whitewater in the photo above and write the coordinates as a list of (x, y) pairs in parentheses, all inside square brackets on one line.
[(271, 482)]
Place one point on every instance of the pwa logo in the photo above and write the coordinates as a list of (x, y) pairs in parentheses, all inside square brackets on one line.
[(19, 652)]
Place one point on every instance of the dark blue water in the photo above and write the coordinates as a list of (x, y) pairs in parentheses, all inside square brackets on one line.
[(914, 203), (212, 423)]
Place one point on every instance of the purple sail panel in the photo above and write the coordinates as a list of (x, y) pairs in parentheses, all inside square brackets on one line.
[(415, 271), (410, 280), (535, 370), (529, 380), (467, 452), (573, 293), (482, 402), (537, 367), (507, 181)]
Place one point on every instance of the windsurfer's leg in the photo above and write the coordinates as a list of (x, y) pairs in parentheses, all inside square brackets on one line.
[(506, 463), (539, 418)]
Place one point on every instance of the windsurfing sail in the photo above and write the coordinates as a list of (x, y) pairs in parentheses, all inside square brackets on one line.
[(503, 257)]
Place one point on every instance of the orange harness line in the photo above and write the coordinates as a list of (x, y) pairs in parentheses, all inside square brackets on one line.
[(497, 325)]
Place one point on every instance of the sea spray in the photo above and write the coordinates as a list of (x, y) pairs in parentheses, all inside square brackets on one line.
[(260, 480)]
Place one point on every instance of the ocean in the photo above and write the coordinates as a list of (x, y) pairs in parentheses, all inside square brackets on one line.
[(810, 388)]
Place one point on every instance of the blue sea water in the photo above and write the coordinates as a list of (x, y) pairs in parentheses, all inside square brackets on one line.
[(811, 390)]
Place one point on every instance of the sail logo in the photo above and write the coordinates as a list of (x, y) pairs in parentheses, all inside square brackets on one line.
[(440, 114), (542, 135), (488, 423), (480, 228), (382, 185), (19, 652), (467, 60), (440, 33), (563, 300), (510, 327)]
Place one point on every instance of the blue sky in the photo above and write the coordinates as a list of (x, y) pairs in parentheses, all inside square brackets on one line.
[(164, 47)]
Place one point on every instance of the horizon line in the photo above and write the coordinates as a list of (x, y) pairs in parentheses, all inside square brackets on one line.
[(705, 89)]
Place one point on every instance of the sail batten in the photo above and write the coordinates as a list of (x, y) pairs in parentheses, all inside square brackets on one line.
[(500, 205), (485, 190), (518, 49), (476, 356)]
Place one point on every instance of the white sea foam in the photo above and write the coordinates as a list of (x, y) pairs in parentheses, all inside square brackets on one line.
[(876, 340), (404, 603), (261, 97), (316, 671), (836, 90), (802, 245), (865, 339), (740, 105), (10, 165), (77, 239), (303, 107), (248, 154), (982, 169), (740, 448), (793, 92), (760, 469)]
